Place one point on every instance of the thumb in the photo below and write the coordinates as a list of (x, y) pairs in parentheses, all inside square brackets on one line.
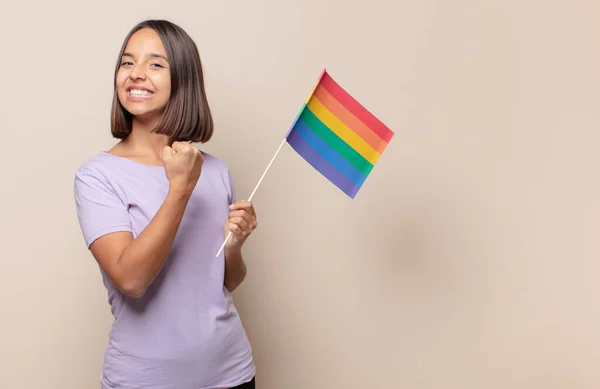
[(167, 153)]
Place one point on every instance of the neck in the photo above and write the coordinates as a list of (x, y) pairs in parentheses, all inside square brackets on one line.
[(144, 143)]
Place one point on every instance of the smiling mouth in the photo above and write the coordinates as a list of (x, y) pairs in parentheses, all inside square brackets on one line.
[(139, 93)]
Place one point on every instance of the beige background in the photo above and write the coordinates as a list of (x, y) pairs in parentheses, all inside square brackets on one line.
[(468, 260)]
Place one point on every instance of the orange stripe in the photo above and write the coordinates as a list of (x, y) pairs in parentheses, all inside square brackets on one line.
[(351, 121), (355, 107)]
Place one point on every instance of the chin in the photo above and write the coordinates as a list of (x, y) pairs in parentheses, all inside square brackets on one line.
[(137, 111), (140, 109)]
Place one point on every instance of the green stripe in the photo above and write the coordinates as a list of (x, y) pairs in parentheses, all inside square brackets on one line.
[(335, 142)]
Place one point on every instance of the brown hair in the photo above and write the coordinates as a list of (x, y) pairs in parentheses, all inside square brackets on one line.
[(187, 116)]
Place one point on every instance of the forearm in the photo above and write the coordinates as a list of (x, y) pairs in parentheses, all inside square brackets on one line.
[(143, 259), (235, 269)]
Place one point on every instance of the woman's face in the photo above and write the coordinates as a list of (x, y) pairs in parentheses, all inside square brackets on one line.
[(143, 80)]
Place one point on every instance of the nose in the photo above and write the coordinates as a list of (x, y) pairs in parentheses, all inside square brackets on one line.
[(137, 72)]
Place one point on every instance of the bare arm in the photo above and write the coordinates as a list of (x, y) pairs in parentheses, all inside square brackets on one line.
[(133, 264), (235, 269)]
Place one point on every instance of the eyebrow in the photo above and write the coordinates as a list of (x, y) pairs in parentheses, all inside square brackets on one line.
[(154, 55)]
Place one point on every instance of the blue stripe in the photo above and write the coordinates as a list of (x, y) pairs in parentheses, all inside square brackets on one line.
[(321, 165), (329, 154)]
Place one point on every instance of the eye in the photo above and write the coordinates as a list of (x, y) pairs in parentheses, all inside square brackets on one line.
[(126, 63), (156, 65)]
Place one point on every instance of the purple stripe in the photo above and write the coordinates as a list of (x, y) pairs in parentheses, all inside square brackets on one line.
[(322, 166)]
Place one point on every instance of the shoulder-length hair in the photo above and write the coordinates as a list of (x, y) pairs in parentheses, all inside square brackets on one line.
[(187, 116)]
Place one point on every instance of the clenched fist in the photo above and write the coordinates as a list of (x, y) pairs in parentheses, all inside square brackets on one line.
[(183, 165)]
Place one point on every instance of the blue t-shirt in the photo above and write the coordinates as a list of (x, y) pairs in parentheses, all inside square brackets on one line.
[(185, 332)]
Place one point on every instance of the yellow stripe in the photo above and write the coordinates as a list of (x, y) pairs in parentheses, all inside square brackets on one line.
[(341, 130)]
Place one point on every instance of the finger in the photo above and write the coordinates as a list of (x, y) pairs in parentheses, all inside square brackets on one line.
[(193, 151), (185, 149), (243, 204), (182, 147), (240, 212), (247, 227), (177, 146), (167, 153), (249, 218), (236, 230), (241, 223)]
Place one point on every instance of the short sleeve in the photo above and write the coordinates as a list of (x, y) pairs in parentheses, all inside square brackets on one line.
[(99, 208), (230, 188)]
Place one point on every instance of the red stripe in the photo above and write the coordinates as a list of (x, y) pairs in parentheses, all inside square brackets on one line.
[(356, 108)]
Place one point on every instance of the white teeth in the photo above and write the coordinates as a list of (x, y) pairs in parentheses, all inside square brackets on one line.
[(140, 93)]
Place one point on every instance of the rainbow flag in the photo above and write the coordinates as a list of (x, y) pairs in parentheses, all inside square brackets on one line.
[(338, 136)]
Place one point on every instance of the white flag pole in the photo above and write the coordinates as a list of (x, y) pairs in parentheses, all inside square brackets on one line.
[(277, 152), (256, 188)]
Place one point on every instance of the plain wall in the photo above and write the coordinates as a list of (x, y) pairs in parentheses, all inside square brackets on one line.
[(469, 259)]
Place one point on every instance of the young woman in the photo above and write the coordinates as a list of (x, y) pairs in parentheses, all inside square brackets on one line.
[(154, 211)]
